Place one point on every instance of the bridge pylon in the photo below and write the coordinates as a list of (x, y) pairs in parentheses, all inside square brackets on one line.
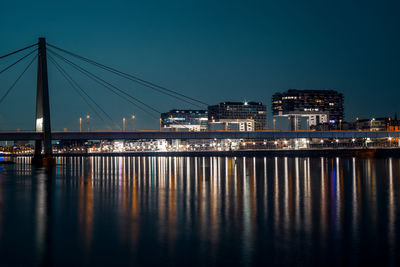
[(42, 122)]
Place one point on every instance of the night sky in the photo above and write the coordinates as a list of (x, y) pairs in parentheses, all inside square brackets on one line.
[(213, 51)]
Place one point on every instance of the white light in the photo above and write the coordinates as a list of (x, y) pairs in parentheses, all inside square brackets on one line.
[(39, 124), (337, 140), (275, 142), (322, 141), (353, 140)]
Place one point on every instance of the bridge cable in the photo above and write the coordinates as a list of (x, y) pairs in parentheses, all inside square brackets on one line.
[(123, 75), (73, 85), (70, 79), (108, 85), (17, 51), (15, 82), (133, 78), (105, 82), (16, 62)]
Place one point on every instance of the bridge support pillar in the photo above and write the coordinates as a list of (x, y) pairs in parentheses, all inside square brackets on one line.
[(42, 123)]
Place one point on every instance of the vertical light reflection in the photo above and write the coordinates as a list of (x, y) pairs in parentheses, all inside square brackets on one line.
[(41, 218), (338, 196), (235, 179), (196, 176), (227, 175), (286, 197), (244, 168), (211, 168), (276, 196), (307, 196), (354, 199), (161, 197), (172, 217), (135, 208), (203, 202), (253, 191), (214, 222), (265, 189), (297, 196), (373, 195), (85, 207), (323, 206), (188, 180), (139, 171), (392, 210)]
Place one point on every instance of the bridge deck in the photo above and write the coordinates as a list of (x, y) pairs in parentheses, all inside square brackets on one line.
[(109, 135)]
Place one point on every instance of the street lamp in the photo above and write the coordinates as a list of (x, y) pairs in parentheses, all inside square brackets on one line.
[(273, 121), (123, 124), (133, 125), (357, 123), (87, 121), (371, 126), (80, 124)]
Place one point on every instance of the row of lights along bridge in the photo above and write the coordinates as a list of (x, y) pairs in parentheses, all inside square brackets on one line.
[(133, 117)]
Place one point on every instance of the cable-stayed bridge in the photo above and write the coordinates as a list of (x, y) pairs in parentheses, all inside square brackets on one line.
[(61, 59), (57, 56)]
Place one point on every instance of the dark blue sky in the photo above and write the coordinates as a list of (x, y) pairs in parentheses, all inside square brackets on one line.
[(211, 50)]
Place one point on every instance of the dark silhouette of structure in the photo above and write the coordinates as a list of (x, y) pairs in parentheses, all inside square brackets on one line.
[(42, 124)]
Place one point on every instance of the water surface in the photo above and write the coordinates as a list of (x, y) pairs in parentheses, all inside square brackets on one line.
[(200, 211)]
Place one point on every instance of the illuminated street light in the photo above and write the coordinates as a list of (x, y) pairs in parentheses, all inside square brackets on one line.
[(80, 124), (133, 122), (123, 124), (88, 122)]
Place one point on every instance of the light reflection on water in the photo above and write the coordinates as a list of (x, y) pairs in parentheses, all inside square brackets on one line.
[(204, 210)]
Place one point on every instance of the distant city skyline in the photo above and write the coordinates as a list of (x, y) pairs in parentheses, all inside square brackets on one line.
[(212, 51)]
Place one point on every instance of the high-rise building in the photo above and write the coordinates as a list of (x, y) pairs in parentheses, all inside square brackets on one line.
[(191, 120), (319, 106), (248, 115)]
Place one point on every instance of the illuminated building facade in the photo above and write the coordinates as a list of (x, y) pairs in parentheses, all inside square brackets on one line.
[(319, 106), (240, 116), (190, 120)]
